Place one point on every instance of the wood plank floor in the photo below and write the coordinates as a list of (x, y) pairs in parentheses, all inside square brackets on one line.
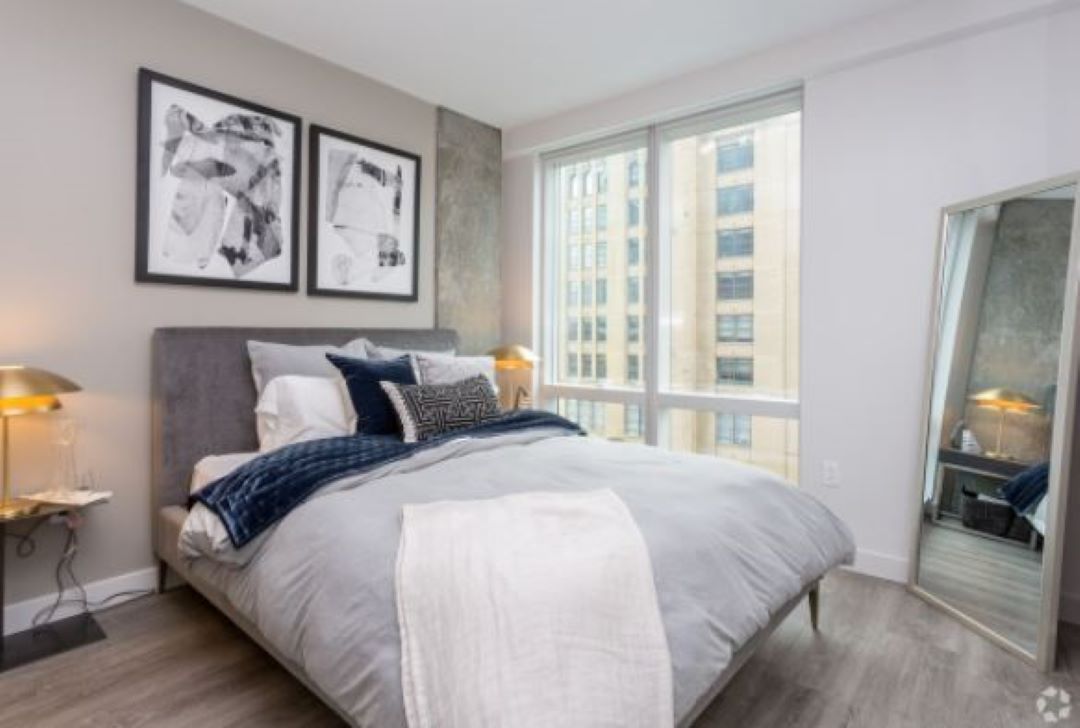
[(997, 583), (883, 658)]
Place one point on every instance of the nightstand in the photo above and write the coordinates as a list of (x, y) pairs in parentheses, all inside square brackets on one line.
[(48, 639)]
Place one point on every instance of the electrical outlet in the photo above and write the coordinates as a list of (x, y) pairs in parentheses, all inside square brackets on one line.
[(830, 473)]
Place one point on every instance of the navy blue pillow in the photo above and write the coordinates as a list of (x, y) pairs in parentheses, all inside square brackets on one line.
[(374, 413)]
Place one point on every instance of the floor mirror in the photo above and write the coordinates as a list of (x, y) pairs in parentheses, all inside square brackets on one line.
[(1000, 411)]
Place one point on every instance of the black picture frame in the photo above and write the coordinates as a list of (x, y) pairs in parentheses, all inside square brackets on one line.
[(315, 185), (145, 160)]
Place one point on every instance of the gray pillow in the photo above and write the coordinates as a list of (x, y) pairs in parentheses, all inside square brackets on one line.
[(270, 360), (427, 410), (374, 351), (447, 369)]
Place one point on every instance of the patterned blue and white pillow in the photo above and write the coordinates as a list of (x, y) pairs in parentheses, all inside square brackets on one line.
[(427, 410)]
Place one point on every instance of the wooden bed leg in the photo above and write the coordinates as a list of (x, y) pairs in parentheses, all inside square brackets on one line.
[(162, 576), (814, 597)]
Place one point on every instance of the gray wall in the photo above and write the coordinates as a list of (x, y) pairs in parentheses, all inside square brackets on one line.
[(1019, 333), (469, 184), (67, 206)]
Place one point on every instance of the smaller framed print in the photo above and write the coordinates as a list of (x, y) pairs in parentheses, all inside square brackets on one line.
[(363, 218), (218, 189)]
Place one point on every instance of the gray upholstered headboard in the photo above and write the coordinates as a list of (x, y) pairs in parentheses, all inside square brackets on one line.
[(204, 397)]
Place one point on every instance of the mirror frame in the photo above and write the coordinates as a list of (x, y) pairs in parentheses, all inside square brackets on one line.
[(1061, 444)]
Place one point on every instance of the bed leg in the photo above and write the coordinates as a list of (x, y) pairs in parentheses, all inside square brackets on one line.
[(162, 576), (814, 598)]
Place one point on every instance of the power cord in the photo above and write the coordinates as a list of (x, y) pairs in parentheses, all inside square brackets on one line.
[(65, 566)]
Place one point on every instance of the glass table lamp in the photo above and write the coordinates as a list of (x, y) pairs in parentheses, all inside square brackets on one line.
[(514, 357), (1004, 401), (23, 391)]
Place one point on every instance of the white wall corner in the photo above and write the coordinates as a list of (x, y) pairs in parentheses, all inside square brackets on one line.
[(20, 616), (882, 566)]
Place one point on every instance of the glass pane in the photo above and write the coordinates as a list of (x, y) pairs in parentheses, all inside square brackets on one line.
[(605, 419), (768, 442), (732, 295), (597, 221)]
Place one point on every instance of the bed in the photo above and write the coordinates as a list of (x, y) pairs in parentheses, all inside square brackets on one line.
[(203, 402)]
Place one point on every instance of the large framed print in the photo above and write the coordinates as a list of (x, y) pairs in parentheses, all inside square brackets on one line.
[(218, 191), (363, 218)]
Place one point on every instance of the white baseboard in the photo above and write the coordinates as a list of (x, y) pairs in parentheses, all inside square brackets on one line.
[(883, 566), (19, 616)]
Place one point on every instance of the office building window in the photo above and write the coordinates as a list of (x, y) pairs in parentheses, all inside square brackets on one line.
[(588, 253), (633, 251), (734, 370), (735, 285), (586, 366), (633, 329), (735, 200), (572, 328), (732, 156), (601, 366), (633, 213), (633, 174), (586, 329), (633, 421), (601, 217), (571, 365), (601, 328), (601, 254), (601, 291), (735, 243), (735, 327), (633, 289), (633, 367), (733, 429)]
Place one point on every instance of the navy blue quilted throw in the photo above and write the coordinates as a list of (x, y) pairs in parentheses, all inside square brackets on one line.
[(1026, 489), (261, 492)]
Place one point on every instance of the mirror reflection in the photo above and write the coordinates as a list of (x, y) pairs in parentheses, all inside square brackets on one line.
[(992, 403)]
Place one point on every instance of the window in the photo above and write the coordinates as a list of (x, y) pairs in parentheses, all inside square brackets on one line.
[(725, 274), (575, 186), (575, 221), (732, 429), (586, 293), (590, 183), (633, 422), (573, 293), (735, 242), (601, 217), (734, 200), (574, 253), (586, 329), (586, 366), (734, 370), (587, 256), (735, 327), (590, 219), (734, 155), (572, 328), (735, 286), (601, 182), (571, 365)]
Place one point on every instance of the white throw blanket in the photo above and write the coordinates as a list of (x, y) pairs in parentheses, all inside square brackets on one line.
[(536, 609)]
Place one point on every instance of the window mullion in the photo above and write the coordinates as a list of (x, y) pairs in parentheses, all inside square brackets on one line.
[(653, 288)]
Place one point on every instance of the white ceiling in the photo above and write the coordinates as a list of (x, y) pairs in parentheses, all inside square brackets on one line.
[(511, 61)]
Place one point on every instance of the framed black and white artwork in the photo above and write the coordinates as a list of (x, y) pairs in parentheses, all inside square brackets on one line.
[(363, 218), (218, 189)]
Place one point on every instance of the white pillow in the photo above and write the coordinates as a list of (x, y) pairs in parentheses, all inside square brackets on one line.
[(212, 467), (297, 409), (270, 360), (449, 369)]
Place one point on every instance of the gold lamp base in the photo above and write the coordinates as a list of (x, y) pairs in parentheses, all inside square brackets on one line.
[(17, 507)]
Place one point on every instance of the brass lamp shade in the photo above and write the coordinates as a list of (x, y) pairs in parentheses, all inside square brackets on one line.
[(1004, 399), (24, 390), (513, 356)]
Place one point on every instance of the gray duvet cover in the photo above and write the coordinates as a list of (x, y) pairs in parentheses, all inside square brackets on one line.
[(729, 545)]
